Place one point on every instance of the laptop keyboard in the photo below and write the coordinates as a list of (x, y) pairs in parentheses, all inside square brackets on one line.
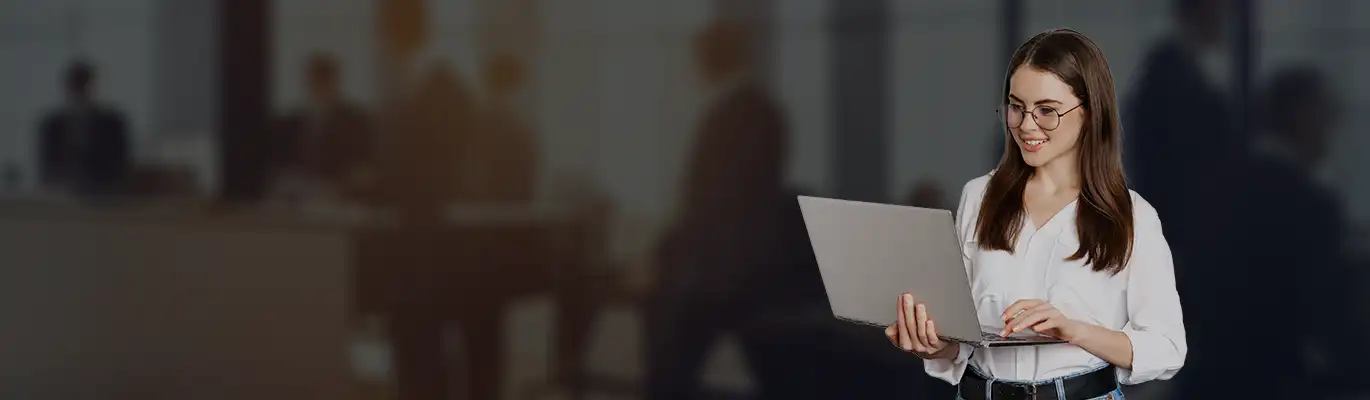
[(997, 338), (984, 336)]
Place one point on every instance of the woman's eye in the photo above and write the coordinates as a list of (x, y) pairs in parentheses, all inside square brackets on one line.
[(1015, 107), (1044, 111)]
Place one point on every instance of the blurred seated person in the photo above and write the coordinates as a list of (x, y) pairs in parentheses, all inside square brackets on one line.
[(83, 145), (324, 148)]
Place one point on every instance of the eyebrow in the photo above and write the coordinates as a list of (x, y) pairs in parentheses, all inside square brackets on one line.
[(1038, 102)]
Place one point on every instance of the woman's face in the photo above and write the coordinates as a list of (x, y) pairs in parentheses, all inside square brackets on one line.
[(1055, 131)]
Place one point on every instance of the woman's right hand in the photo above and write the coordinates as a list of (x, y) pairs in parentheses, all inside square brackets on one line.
[(915, 332)]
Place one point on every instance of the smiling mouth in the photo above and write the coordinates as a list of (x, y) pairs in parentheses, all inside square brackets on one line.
[(1035, 142)]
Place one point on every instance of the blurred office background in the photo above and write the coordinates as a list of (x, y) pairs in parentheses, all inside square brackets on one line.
[(525, 199)]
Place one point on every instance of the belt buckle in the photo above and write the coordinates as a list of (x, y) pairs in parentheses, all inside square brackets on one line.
[(1017, 390), (1029, 389)]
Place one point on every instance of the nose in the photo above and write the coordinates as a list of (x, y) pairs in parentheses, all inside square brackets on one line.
[(1029, 124)]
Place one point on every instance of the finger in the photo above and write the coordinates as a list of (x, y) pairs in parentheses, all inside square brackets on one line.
[(910, 319), (1018, 306), (1011, 309), (1031, 319), (905, 341), (932, 336), (1023, 312), (1012, 326), (1049, 324), (921, 318), (899, 323), (892, 334)]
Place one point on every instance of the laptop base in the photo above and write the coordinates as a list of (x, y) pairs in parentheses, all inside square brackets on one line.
[(994, 340), (986, 339)]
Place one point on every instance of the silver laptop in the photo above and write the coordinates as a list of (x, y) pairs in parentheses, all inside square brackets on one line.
[(869, 254)]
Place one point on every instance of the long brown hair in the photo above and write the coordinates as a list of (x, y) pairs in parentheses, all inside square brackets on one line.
[(1104, 219)]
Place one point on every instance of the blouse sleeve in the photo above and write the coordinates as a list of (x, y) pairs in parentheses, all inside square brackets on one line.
[(1155, 322), (966, 214)]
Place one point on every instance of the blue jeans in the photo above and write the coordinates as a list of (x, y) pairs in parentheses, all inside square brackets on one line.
[(1116, 394)]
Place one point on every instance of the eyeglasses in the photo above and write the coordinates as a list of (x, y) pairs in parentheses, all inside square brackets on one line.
[(1045, 117)]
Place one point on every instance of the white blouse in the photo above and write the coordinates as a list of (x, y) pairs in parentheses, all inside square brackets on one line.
[(1139, 301)]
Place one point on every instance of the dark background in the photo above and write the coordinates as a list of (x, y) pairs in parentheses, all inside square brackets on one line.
[(548, 199)]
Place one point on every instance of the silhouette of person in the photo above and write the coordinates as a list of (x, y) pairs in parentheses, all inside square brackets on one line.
[(442, 150), (1181, 118), (1180, 133), (423, 263), (327, 143), (421, 167), (83, 145), (500, 157), (1286, 231), (737, 257), (420, 176)]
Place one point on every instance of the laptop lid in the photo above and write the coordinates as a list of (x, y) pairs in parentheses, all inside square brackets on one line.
[(870, 253)]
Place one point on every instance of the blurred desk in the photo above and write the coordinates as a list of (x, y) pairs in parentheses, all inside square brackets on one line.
[(465, 272), (170, 303), (475, 256), (175, 300)]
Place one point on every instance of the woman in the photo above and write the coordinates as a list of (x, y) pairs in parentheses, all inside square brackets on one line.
[(1058, 245)]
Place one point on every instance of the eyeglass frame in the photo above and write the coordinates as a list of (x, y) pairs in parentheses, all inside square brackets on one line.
[(1003, 115)]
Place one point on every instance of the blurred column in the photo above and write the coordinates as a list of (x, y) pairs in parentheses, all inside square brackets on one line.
[(244, 95), (183, 81), (1245, 57), (1011, 19), (185, 43), (860, 75)]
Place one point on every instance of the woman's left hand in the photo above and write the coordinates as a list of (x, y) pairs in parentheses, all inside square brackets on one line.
[(1043, 318)]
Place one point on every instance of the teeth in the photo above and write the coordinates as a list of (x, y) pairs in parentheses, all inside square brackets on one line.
[(1034, 142)]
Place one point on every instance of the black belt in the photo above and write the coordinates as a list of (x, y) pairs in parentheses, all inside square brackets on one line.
[(1087, 386)]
